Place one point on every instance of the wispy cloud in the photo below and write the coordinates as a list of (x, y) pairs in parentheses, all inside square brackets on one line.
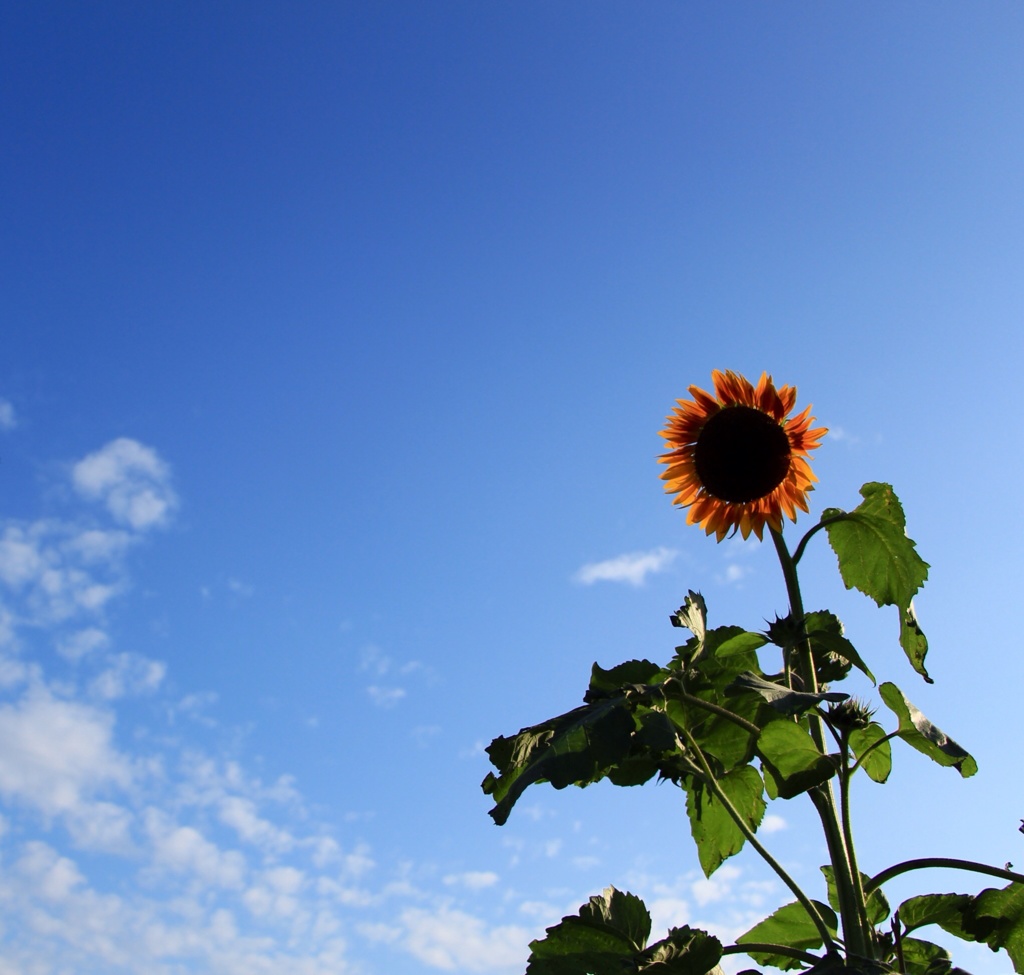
[(8, 420), (632, 568)]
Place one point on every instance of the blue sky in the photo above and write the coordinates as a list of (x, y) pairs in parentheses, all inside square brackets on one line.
[(336, 343)]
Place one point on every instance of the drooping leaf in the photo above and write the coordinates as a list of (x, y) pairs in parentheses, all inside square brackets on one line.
[(650, 747), (714, 831), (924, 958), (877, 905), (791, 927), (575, 748), (686, 951), (605, 938), (780, 697), (913, 640), (825, 632), (946, 910), (792, 759), (917, 731), (877, 557), (996, 916), (877, 762)]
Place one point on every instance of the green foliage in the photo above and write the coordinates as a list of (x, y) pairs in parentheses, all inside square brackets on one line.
[(792, 761), (712, 825), (872, 750), (917, 731), (829, 643), (877, 557), (791, 927), (609, 937)]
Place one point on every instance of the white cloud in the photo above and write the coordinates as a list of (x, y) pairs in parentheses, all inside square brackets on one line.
[(452, 940), (56, 753), (76, 645), (128, 673), (131, 480), (472, 879), (633, 567), (8, 421), (183, 849), (772, 824)]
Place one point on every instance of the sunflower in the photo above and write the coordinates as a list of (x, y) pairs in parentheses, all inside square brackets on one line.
[(735, 459)]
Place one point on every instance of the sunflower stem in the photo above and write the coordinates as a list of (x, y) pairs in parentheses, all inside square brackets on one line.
[(852, 909)]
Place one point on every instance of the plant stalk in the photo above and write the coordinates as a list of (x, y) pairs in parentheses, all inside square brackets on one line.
[(851, 907)]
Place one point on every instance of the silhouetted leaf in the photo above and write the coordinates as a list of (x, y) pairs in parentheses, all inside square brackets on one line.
[(792, 759), (878, 761)]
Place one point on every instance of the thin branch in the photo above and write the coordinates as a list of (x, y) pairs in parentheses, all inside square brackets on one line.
[(741, 823), (748, 947), (948, 862), (824, 523)]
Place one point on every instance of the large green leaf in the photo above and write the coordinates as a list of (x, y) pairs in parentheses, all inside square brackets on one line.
[(713, 829), (869, 744), (792, 759), (604, 682), (605, 938), (876, 556), (573, 749), (791, 927), (608, 937), (946, 910), (916, 730), (996, 916), (781, 698), (725, 641)]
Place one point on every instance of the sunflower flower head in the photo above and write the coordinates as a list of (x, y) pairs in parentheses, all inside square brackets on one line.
[(737, 460)]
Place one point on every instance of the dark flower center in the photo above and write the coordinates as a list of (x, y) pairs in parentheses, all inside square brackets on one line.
[(741, 454)]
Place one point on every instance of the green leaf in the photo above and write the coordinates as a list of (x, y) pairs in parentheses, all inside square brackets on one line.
[(791, 927), (780, 697), (825, 632), (631, 672), (725, 644), (877, 905), (876, 556), (792, 759), (917, 731), (685, 951), (714, 831), (603, 939), (576, 748), (925, 958), (996, 916), (946, 910), (878, 761)]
